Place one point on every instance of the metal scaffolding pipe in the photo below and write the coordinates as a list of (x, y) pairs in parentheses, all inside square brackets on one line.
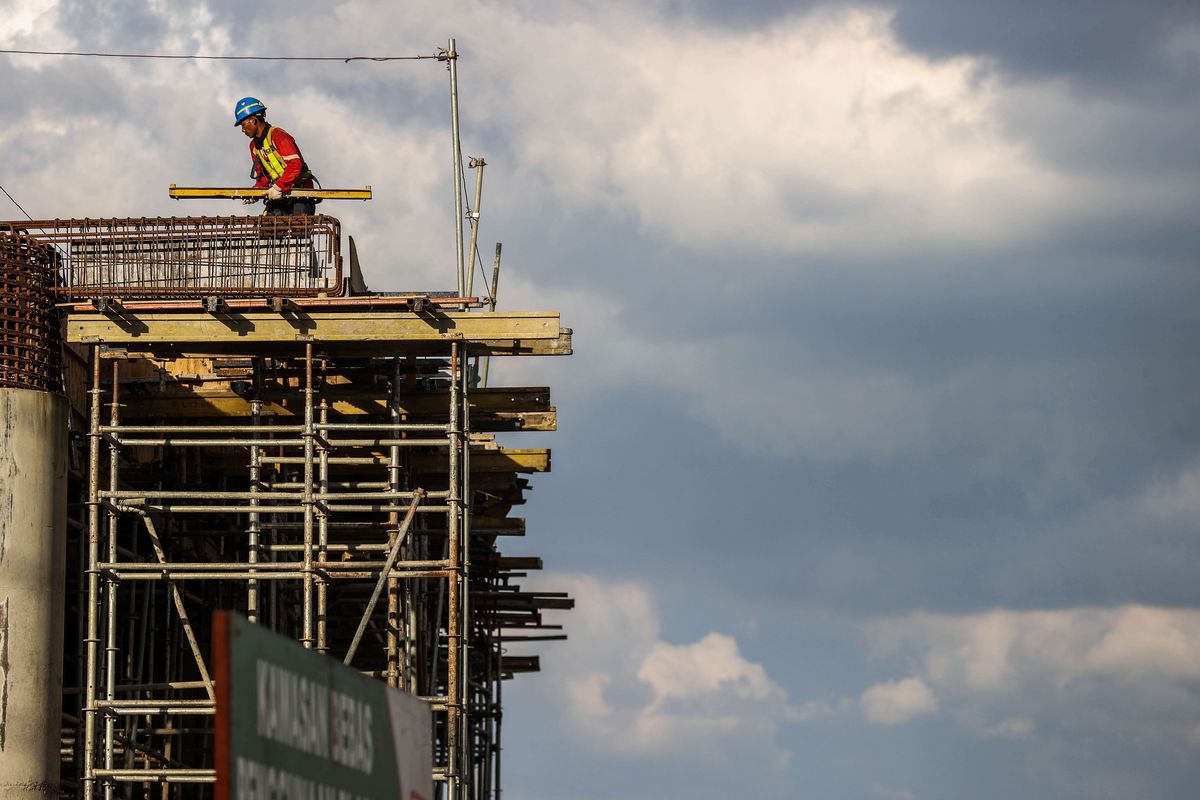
[(456, 144)]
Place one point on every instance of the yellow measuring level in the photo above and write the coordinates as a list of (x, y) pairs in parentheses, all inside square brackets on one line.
[(211, 192)]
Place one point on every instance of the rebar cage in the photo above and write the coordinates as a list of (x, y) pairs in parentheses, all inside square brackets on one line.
[(30, 348), (192, 257)]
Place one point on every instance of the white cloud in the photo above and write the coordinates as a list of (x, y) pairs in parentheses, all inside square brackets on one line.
[(897, 702), (1013, 728), (711, 665), (22, 17), (846, 143), (1183, 47), (821, 133), (1122, 671), (628, 692), (888, 793), (838, 139), (1177, 498)]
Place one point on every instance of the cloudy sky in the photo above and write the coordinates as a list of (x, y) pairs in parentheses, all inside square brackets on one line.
[(878, 468)]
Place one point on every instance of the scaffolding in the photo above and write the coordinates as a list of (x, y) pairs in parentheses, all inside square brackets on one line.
[(327, 466)]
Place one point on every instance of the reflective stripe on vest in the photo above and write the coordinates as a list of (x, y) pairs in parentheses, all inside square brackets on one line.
[(268, 156)]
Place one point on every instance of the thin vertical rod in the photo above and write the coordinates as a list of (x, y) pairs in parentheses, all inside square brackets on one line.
[(93, 581), (499, 712), (464, 469), (110, 598), (308, 501), (394, 658), (478, 164), (454, 706), (254, 528), (487, 360), (323, 540), (416, 593), (452, 59)]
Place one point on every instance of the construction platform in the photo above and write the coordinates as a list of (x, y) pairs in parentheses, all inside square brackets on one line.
[(253, 431)]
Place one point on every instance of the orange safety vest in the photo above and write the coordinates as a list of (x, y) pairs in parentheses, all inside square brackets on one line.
[(273, 164)]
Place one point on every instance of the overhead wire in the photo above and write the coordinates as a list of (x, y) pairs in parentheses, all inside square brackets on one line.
[(15, 203), (57, 247), (439, 56), (203, 57)]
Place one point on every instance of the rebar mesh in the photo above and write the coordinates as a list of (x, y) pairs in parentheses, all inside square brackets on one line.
[(30, 344), (190, 257)]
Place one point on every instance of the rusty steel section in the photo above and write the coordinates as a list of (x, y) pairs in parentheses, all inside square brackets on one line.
[(193, 257), (30, 343)]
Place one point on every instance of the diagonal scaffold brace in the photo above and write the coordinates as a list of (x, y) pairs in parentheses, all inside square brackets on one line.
[(392, 555)]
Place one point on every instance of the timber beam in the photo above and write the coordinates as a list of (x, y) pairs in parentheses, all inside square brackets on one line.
[(488, 461), (498, 409), (366, 330)]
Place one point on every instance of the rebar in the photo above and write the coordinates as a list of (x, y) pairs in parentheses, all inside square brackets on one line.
[(191, 257), (29, 333)]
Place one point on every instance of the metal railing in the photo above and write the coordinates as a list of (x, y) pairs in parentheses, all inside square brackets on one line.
[(192, 257)]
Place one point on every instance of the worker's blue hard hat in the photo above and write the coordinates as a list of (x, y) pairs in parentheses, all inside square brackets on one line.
[(247, 107)]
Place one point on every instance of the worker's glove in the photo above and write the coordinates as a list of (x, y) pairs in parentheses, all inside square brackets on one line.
[(273, 193), (249, 201)]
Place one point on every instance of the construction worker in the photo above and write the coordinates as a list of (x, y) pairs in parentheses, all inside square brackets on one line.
[(277, 164)]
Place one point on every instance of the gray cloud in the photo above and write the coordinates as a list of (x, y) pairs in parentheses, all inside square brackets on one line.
[(1095, 44), (809, 378)]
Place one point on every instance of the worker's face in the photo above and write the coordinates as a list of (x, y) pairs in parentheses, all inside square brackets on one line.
[(252, 126)]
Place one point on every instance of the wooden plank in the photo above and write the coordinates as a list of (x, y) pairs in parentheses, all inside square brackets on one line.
[(560, 346), (219, 192), (492, 410), (297, 325), (488, 461)]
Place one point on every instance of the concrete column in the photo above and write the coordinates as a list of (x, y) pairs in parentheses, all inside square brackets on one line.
[(33, 475)]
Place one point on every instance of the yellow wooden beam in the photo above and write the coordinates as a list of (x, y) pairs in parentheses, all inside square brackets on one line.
[(219, 192), (491, 409), (483, 347), (488, 461), (496, 329)]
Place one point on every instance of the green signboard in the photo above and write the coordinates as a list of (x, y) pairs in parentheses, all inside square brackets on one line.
[(293, 724)]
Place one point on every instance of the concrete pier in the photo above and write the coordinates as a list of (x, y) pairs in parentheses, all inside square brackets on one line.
[(33, 474)]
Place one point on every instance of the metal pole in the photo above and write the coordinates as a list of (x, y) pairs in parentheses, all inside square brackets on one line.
[(394, 658), (499, 713), (309, 501), (487, 360), (454, 589), (464, 467), (476, 164), (110, 633), (93, 581), (452, 60), (254, 529), (323, 538)]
